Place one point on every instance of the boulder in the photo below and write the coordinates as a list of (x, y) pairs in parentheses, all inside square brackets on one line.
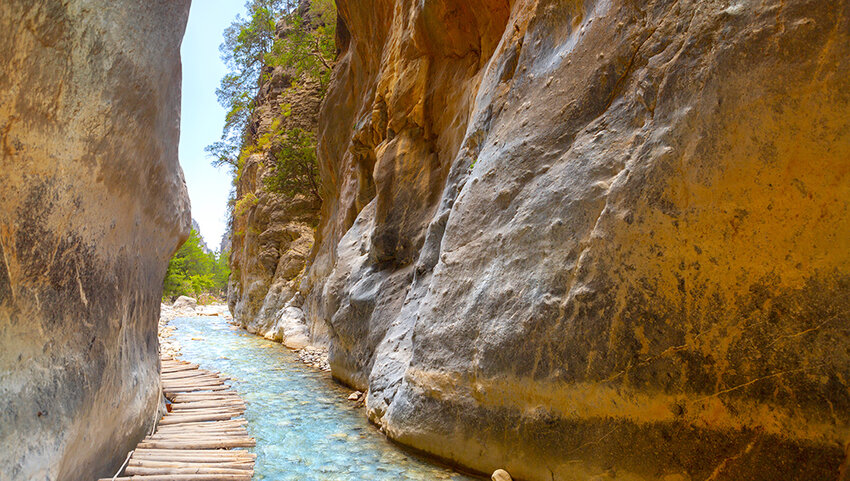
[(290, 329), (185, 303), (500, 475)]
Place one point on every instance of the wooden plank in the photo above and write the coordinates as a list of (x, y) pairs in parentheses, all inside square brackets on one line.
[(219, 423), (190, 373), (211, 435), (201, 382), (232, 422), (227, 443), (182, 470), (178, 390), (207, 385), (206, 396), (202, 436), (192, 419), (200, 410), (191, 379), (179, 368), (205, 405), (222, 396), (197, 459), (179, 399), (196, 440), (185, 477), (199, 427), (221, 453)]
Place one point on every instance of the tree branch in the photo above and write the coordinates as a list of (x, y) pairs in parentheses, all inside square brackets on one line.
[(317, 52)]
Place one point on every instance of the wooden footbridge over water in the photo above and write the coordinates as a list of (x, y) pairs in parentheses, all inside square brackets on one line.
[(195, 441)]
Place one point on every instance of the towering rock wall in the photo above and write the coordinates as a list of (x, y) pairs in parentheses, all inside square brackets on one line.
[(593, 240), (272, 234), (92, 205)]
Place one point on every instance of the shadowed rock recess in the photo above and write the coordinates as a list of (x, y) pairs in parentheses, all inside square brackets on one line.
[(599, 239), (92, 205)]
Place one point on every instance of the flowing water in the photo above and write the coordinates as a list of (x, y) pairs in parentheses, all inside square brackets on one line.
[(305, 427)]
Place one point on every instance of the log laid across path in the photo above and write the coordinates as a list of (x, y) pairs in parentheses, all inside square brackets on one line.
[(196, 440)]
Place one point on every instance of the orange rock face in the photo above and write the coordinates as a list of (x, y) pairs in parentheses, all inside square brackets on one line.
[(595, 239)]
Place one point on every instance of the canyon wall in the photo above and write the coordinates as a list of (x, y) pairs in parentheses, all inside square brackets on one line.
[(272, 233), (593, 240), (92, 205)]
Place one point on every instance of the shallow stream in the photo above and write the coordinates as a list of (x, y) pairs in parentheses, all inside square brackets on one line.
[(305, 427)]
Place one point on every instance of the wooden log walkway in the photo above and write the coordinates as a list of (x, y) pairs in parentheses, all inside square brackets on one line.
[(195, 441)]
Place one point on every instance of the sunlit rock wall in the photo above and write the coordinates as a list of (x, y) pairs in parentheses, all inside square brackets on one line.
[(92, 205), (272, 233), (593, 240)]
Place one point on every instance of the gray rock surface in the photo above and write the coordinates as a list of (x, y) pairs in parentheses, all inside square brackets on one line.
[(92, 205), (593, 240), (290, 328), (185, 303)]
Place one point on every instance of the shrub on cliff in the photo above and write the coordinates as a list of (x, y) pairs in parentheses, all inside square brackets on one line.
[(303, 42), (307, 42), (296, 171)]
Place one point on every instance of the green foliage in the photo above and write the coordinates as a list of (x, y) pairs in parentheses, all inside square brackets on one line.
[(308, 45), (246, 43), (246, 202), (192, 271), (307, 48), (295, 164)]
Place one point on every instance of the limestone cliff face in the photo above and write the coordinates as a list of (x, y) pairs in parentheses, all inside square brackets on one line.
[(272, 234), (92, 205), (598, 239)]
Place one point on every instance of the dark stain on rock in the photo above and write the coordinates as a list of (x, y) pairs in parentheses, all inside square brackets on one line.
[(5, 282)]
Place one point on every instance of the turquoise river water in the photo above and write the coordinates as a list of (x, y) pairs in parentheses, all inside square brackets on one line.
[(305, 427)]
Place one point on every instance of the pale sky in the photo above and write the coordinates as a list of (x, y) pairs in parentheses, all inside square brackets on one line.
[(202, 117)]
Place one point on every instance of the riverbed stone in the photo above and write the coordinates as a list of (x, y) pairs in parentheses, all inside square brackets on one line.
[(92, 205), (501, 475), (592, 240), (184, 303)]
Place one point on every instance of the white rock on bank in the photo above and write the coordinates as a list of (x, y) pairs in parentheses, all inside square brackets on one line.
[(214, 310), (501, 475), (290, 329), (185, 303), (355, 396)]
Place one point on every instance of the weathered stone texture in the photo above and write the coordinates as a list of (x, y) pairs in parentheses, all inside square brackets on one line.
[(92, 205), (273, 234), (596, 239)]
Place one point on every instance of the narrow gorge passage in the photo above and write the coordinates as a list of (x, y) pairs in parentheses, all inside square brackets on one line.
[(544, 240), (305, 427)]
